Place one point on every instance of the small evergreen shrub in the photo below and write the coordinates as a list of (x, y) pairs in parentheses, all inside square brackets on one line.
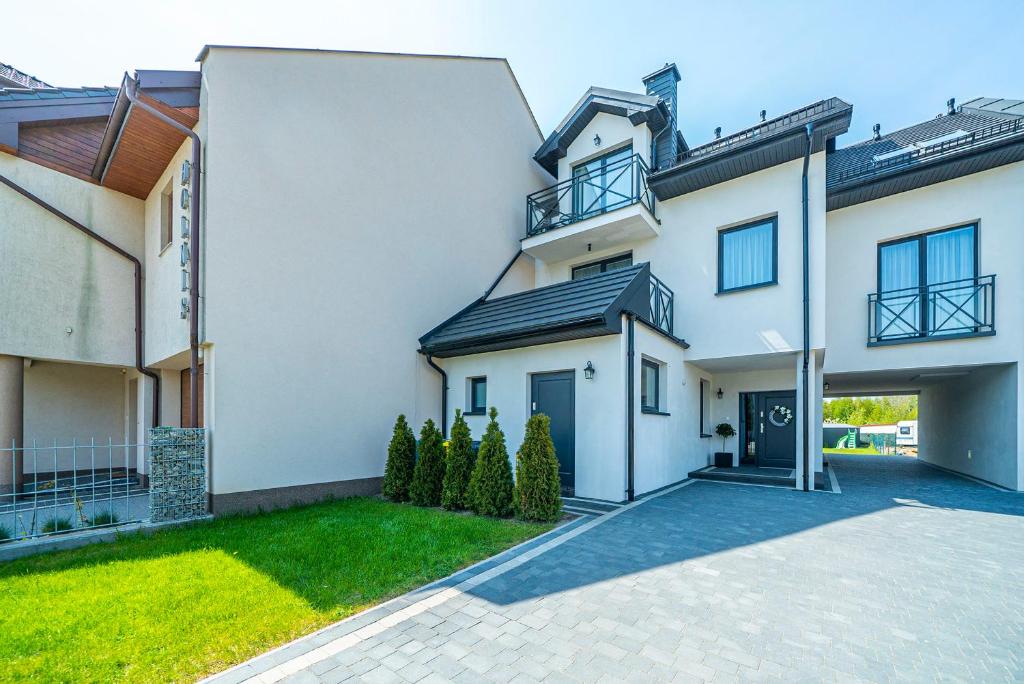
[(105, 518), (490, 486), (56, 525), (458, 465), (401, 462), (538, 487), (725, 431), (429, 472)]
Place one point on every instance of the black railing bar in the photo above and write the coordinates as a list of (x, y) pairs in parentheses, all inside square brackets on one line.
[(622, 163), (931, 286)]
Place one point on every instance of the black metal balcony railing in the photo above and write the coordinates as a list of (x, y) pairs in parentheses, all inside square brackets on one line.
[(662, 309), (620, 184), (958, 308)]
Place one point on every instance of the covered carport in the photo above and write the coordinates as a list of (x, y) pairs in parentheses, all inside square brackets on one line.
[(968, 416)]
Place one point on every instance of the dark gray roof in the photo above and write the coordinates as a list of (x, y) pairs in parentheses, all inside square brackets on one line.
[(767, 144), (637, 108), (11, 77), (30, 95), (983, 133), (570, 310)]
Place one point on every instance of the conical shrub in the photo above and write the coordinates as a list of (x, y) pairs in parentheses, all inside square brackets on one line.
[(490, 486), (538, 489), (428, 475), (401, 462), (458, 465)]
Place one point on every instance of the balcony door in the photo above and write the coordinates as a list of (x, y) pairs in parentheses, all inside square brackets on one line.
[(927, 284), (603, 184)]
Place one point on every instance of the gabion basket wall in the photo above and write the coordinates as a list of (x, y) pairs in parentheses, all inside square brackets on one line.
[(177, 473)]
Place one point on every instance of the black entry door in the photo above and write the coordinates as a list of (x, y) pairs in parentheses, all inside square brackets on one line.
[(776, 415), (553, 394)]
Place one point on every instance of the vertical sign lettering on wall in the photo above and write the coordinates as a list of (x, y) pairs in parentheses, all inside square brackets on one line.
[(186, 284)]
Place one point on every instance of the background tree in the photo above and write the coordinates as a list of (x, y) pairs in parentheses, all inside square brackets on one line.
[(490, 486), (538, 493), (870, 410), (401, 462), (428, 475), (458, 465)]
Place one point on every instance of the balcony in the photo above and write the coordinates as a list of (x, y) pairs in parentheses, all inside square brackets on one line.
[(942, 311), (598, 209), (661, 313)]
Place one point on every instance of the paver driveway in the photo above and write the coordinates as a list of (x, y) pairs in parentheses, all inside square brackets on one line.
[(909, 574)]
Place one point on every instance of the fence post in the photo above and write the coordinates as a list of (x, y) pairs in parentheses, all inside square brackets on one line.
[(177, 473)]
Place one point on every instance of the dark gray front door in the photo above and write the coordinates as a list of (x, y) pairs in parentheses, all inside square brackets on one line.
[(553, 394), (777, 429)]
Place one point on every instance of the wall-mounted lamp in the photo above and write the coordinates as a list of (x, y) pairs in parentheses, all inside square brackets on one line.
[(719, 393), (588, 371), (597, 141), (827, 386)]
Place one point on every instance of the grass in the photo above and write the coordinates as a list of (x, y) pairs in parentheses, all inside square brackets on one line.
[(56, 525), (105, 518), (190, 601), (858, 451)]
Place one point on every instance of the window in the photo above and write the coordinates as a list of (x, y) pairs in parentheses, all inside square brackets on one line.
[(705, 408), (649, 386), (926, 284), (613, 264), (905, 430), (166, 216), (477, 396), (748, 255), (603, 184)]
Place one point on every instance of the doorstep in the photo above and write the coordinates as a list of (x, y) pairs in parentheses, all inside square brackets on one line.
[(765, 477)]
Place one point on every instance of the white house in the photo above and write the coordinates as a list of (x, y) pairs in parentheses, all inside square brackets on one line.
[(327, 239)]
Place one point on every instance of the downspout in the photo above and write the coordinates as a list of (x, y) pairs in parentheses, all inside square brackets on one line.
[(444, 393), (139, 365), (131, 87), (630, 400), (806, 393)]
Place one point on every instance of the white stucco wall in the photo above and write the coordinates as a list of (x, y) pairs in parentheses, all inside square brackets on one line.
[(353, 202), (971, 424), (615, 132), (668, 447), (600, 419), (73, 403), (685, 257), (990, 198), (53, 277)]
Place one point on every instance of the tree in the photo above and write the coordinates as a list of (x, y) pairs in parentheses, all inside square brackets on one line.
[(725, 431), (401, 461), (490, 486), (868, 410), (538, 493), (458, 465), (428, 475)]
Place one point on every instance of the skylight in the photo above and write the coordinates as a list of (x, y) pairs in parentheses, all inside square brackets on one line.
[(895, 153), (959, 133)]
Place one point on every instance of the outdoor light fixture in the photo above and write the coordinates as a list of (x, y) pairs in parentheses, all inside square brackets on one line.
[(827, 387), (597, 141), (719, 393), (588, 371)]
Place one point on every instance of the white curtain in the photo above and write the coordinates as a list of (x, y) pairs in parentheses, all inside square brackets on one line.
[(952, 307), (747, 256), (899, 312)]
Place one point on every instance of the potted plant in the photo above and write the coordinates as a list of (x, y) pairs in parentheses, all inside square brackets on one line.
[(723, 459)]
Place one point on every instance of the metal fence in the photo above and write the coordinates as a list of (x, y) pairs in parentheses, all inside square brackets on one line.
[(58, 489)]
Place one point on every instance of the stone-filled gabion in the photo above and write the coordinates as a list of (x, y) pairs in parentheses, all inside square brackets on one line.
[(177, 473)]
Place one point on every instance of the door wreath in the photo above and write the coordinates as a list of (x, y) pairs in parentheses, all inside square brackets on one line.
[(780, 416)]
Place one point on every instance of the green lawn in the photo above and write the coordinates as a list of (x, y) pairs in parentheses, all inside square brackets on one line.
[(190, 601), (860, 450)]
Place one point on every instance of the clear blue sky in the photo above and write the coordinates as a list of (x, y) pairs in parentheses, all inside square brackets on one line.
[(897, 62)]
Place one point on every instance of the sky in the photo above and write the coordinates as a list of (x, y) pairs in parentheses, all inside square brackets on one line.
[(896, 62)]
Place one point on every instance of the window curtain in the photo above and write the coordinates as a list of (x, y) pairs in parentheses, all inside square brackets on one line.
[(953, 307), (603, 183), (899, 311), (747, 256)]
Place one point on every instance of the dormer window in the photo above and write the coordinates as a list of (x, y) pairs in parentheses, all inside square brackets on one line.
[(603, 183)]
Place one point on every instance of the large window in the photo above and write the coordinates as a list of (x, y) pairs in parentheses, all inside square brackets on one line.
[(926, 284), (613, 264), (603, 184), (748, 256), (649, 386), (477, 396)]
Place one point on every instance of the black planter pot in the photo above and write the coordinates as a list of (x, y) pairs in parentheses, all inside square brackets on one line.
[(723, 459)]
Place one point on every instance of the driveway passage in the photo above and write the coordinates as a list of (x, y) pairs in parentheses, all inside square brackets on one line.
[(909, 574)]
